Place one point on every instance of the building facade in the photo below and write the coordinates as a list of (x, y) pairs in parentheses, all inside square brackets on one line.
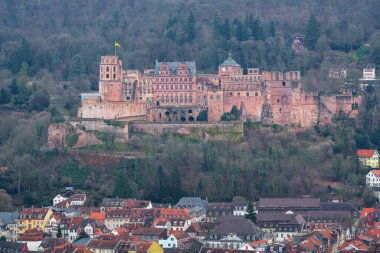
[(174, 92), (368, 158)]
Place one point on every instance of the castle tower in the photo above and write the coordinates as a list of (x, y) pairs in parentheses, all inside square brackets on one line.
[(110, 79), (227, 69)]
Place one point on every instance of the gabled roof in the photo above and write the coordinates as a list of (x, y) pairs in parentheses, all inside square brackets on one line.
[(100, 216), (148, 231), (11, 246), (230, 62), (8, 218), (188, 202), (238, 225), (365, 153), (82, 242), (376, 172), (289, 202), (102, 244), (366, 211), (174, 66)]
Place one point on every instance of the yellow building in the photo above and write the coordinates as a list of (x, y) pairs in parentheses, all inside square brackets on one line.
[(33, 218), (146, 247), (368, 157)]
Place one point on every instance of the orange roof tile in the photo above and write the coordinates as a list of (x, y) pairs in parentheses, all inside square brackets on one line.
[(100, 216), (366, 211), (255, 243), (365, 153)]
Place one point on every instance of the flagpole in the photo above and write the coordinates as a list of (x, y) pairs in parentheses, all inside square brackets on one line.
[(114, 44)]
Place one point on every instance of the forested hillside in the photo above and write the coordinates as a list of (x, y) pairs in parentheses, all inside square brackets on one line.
[(67, 38), (50, 51)]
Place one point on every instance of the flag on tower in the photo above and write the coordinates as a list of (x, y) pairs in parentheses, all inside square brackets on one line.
[(117, 44)]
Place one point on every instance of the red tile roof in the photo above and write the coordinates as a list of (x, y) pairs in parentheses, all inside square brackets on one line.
[(100, 216), (376, 172), (365, 153), (366, 211)]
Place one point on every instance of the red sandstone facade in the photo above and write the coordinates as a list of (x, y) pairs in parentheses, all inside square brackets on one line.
[(173, 92)]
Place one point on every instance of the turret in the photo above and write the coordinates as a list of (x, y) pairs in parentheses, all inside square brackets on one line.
[(110, 79)]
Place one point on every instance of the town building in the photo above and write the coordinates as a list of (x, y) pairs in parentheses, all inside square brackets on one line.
[(8, 225), (368, 157), (283, 205), (232, 232), (31, 218)]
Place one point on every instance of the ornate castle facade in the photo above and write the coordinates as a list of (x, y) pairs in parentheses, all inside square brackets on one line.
[(174, 92)]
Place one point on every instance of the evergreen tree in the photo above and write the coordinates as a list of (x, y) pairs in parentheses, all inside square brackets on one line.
[(251, 214), (312, 33), (217, 25), (121, 188), (226, 29), (162, 182), (59, 233), (13, 87), (272, 30), (5, 96), (257, 30), (82, 235), (77, 68), (190, 27)]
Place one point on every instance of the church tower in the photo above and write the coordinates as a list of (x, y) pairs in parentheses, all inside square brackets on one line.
[(110, 79)]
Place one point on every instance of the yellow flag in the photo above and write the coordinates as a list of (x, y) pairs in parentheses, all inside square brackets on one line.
[(117, 44)]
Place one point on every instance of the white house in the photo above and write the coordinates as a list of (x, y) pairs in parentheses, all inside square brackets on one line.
[(240, 209), (373, 178), (89, 230), (78, 199), (170, 242), (58, 199), (369, 73), (179, 224)]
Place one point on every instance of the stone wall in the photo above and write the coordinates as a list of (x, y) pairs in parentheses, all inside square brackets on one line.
[(111, 110), (121, 133), (202, 130)]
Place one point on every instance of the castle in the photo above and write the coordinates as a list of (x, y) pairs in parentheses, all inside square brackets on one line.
[(174, 92)]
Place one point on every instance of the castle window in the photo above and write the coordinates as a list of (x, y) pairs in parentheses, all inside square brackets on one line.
[(185, 87), (190, 100), (256, 94), (283, 84), (238, 94), (176, 98), (181, 99), (185, 98), (278, 100), (280, 109), (217, 97), (108, 76), (231, 94), (180, 87), (108, 69), (247, 94), (114, 69), (211, 97), (114, 76), (171, 87)]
